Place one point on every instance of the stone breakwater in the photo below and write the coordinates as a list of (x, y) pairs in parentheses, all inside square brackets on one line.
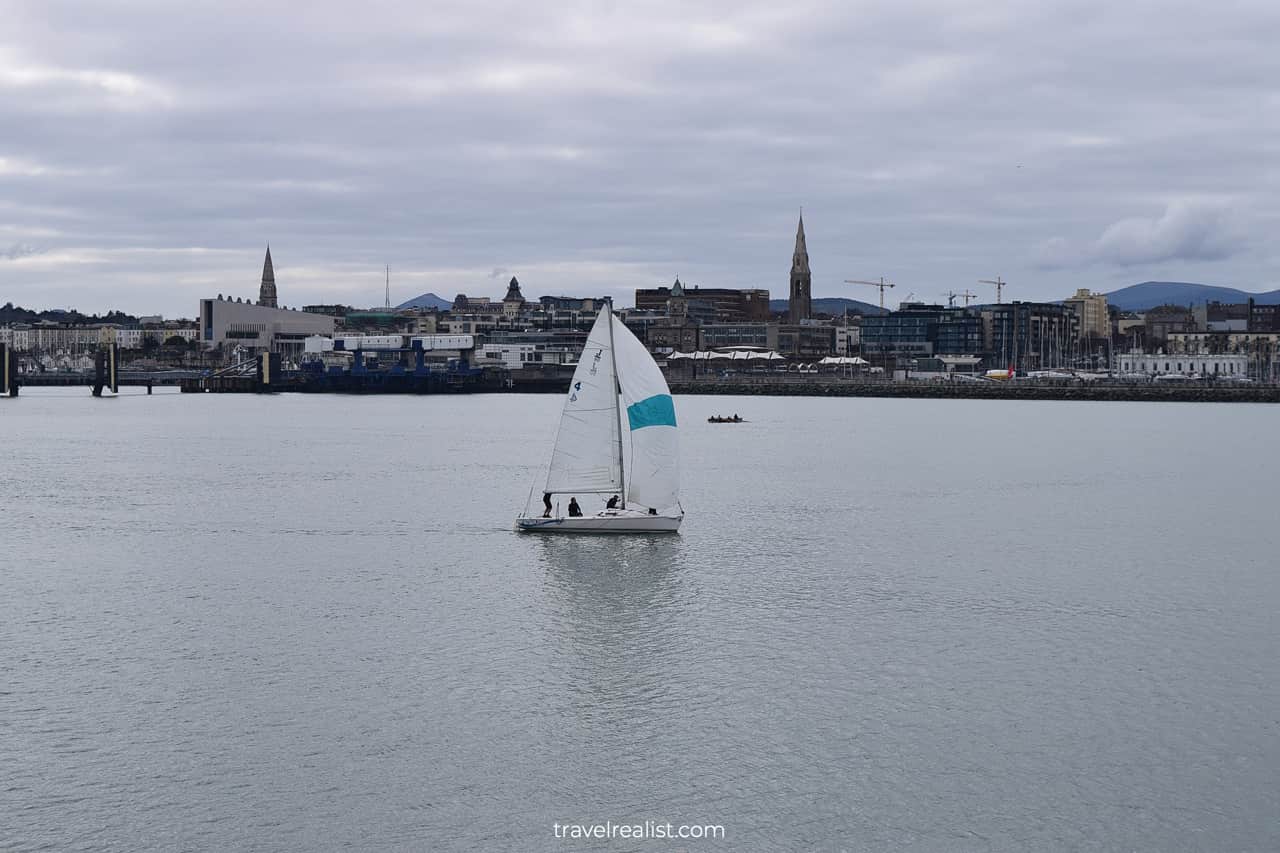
[(1154, 392)]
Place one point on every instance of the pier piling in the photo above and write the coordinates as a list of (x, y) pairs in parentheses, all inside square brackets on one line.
[(8, 372), (268, 370), (105, 373)]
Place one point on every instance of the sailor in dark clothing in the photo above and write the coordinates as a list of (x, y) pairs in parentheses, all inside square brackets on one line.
[(546, 502), (613, 503), (575, 511)]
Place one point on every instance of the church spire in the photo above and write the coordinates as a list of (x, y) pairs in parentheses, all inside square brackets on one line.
[(267, 292), (800, 258), (799, 305)]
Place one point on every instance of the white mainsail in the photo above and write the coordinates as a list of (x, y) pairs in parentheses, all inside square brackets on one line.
[(654, 472), (587, 456)]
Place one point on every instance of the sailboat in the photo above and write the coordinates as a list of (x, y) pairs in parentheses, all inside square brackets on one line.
[(618, 401)]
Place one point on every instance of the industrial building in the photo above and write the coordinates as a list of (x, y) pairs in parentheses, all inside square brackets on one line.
[(228, 322), (709, 304)]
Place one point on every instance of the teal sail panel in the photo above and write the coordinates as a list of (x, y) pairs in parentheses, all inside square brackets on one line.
[(658, 410)]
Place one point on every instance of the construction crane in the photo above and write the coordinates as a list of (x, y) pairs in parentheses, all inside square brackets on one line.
[(998, 283), (882, 284), (966, 296)]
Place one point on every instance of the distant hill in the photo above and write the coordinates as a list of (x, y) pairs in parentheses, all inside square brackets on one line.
[(426, 300), (1149, 294), (833, 305)]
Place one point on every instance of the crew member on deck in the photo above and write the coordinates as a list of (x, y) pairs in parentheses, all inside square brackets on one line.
[(575, 511), (613, 503), (546, 502)]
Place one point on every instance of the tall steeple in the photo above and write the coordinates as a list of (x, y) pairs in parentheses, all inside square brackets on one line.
[(267, 292), (799, 307)]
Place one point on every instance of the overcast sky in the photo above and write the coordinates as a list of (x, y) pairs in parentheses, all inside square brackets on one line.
[(150, 150)]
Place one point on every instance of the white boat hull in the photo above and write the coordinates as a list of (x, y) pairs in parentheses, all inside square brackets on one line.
[(606, 522)]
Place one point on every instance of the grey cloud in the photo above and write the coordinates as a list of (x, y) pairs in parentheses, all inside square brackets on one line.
[(1191, 231), (18, 250), (597, 148), (1186, 231)]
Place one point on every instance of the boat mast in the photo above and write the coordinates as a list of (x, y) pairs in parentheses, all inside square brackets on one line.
[(617, 394)]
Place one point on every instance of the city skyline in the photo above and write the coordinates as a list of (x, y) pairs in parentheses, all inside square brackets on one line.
[(151, 155)]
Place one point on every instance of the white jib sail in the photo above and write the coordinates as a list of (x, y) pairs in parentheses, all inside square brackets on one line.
[(586, 457), (654, 471)]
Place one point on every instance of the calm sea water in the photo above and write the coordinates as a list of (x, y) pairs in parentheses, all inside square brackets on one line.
[(304, 623)]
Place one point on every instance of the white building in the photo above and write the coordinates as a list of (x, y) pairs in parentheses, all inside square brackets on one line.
[(1260, 349), (128, 338), (59, 338), (517, 355), (16, 338), (56, 337), (848, 339), (1175, 364), (132, 337)]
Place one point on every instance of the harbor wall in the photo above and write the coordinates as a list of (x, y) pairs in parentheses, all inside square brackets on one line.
[(1144, 392)]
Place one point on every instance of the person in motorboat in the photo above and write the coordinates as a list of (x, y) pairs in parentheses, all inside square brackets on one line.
[(546, 502), (575, 511), (613, 503)]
